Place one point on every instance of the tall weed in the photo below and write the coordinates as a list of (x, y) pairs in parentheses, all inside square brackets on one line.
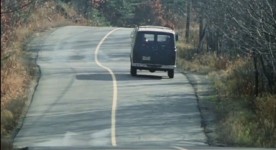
[(235, 80)]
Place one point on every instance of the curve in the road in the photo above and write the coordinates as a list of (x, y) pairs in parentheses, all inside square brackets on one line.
[(115, 90)]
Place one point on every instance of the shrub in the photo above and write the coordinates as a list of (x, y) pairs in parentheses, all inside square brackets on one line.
[(241, 78)]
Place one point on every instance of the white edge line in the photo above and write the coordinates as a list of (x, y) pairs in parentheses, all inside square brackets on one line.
[(115, 91)]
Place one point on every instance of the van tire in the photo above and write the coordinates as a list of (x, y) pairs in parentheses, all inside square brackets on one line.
[(171, 73), (133, 71)]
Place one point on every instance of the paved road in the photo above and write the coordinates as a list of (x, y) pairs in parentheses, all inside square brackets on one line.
[(87, 98)]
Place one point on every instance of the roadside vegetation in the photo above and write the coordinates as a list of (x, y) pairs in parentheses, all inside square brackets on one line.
[(233, 41), (19, 21), (243, 118)]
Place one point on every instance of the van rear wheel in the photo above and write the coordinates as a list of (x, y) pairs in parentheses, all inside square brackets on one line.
[(171, 73), (133, 71)]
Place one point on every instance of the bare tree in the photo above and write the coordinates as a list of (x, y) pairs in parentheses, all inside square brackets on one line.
[(247, 28)]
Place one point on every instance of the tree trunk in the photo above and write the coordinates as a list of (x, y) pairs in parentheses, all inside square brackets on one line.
[(256, 74), (269, 76), (202, 35), (188, 20), (201, 25)]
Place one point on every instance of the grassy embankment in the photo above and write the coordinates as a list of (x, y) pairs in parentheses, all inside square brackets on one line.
[(239, 123), (17, 72)]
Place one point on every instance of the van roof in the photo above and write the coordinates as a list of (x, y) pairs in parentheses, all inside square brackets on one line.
[(156, 29)]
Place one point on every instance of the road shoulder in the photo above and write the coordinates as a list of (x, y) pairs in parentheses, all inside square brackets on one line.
[(206, 97), (31, 50)]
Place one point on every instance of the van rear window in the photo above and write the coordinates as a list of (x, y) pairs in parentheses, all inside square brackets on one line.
[(147, 39), (163, 38)]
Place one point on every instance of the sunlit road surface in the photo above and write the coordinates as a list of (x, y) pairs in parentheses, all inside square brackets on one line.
[(86, 98)]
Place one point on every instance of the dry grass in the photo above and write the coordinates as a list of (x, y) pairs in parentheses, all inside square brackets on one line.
[(237, 128), (242, 124), (267, 120), (190, 59), (240, 127), (12, 83), (15, 72), (235, 80)]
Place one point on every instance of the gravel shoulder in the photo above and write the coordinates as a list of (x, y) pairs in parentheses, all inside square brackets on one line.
[(206, 98)]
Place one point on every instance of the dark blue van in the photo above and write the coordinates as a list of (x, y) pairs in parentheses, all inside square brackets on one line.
[(153, 49)]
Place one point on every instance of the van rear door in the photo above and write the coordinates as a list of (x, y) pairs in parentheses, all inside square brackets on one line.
[(156, 48)]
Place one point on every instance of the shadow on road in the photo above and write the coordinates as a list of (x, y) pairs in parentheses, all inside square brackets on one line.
[(119, 77), (158, 121)]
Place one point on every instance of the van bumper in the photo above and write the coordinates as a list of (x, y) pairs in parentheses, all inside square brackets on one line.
[(153, 66)]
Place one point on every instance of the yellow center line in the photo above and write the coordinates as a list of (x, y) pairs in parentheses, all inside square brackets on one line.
[(115, 90), (179, 148)]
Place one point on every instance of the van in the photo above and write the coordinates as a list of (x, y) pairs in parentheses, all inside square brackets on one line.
[(153, 48)]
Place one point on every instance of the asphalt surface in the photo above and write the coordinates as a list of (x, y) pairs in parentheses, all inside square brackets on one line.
[(74, 104)]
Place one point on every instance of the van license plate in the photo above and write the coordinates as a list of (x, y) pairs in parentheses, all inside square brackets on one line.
[(147, 58)]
